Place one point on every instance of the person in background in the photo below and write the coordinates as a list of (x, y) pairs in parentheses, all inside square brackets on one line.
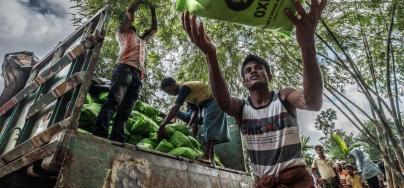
[(353, 180), (369, 170), (329, 176), (342, 173)]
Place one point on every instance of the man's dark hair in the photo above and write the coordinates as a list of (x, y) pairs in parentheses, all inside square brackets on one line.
[(167, 81), (257, 59), (348, 166), (318, 146)]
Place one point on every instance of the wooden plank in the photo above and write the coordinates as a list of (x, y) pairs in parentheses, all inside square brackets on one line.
[(57, 92), (45, 76), (33, 143), (29, 158)]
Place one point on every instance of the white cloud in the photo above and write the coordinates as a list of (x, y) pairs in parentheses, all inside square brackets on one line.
[(25, 28), (307, 119)]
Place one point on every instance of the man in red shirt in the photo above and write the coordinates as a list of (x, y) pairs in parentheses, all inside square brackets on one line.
[(126, 79)]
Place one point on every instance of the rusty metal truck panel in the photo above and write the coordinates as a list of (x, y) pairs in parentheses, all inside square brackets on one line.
[(96, 162)]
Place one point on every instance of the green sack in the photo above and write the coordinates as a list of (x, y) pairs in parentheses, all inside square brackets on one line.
[(143, 125), (89, 99), (180, 127), (88, 116), (217, 161), (128, 127), (180, 140), (184, 152), (134, 139), (153, 137), (157, 119), (146, 144), (259, 13), (146, 109), (195, 143), (102, 97), (165, 146)]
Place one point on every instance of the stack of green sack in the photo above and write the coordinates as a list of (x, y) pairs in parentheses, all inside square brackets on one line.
[(141, 129)]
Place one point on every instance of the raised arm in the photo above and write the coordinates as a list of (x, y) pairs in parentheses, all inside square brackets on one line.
[(153, 29), (311, 96), (126, 22), (197, 35)]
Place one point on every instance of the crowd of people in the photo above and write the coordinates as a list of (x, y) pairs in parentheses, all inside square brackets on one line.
[(330, 174)]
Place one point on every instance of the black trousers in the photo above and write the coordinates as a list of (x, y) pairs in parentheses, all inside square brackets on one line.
[(124, 91)]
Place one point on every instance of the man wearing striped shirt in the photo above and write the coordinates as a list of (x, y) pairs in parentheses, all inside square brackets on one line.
[(126, 78), (267, 118)]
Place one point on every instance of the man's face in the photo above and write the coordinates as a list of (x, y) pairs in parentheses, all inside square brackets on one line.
[(255, 75), (319, 150), (350, 170), (171, 90)]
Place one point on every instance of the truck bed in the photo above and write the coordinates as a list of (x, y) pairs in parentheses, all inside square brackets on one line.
[(97, 162)]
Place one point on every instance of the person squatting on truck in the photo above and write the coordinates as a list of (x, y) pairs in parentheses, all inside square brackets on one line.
[(267, 119), (213, 119), (126, 78)]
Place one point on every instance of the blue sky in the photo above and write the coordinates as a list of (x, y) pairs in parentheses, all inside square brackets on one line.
[(38, 25)]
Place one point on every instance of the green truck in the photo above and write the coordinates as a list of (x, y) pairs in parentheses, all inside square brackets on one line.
[(41, 145)]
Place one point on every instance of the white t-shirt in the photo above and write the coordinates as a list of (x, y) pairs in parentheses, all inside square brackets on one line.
[(325, 167)]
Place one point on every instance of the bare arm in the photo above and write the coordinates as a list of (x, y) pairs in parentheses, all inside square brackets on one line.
[(311, 96), (315, 173), (173, 111), (153, 29), (126, 22), (194, 116), (197, 35)]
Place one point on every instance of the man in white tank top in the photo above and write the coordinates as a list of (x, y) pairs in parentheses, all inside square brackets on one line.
[(267, 118)]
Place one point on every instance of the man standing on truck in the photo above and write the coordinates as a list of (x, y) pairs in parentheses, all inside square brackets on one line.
[(267, 118), (126, 79), (213, 119)]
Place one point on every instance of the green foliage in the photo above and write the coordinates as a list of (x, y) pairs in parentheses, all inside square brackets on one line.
[(342, 146), (325, 121), (170, 53), (308, 157)]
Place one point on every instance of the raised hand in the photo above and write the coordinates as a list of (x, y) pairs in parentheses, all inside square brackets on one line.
[(197, 34), (306, 22)]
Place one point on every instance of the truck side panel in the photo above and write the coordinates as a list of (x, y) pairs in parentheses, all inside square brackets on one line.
[(95, 162)]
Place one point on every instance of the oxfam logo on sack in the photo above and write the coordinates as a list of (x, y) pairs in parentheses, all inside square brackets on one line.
[(239, 5)]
